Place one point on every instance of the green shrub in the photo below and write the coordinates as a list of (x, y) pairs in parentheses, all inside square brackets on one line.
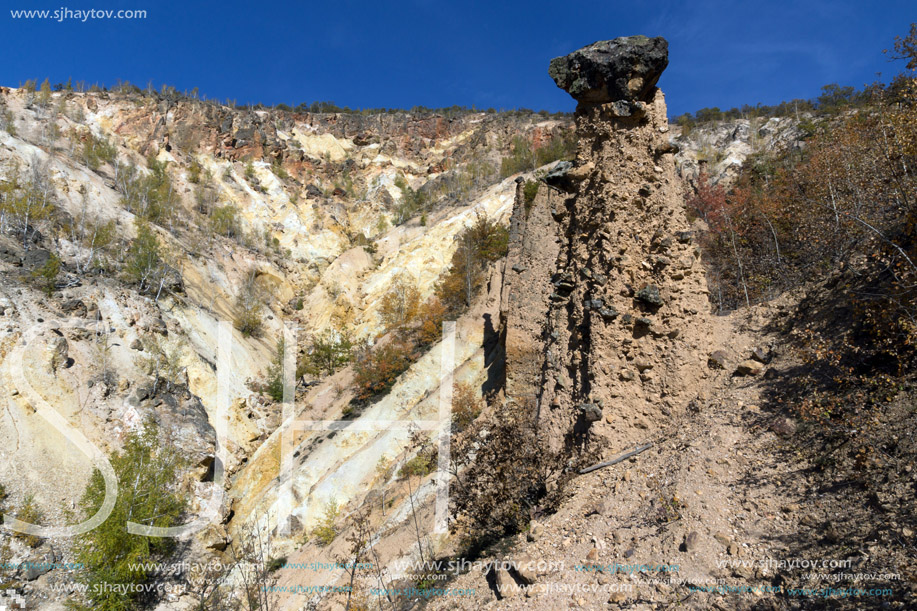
[(279, 170), (29, 512), (411, 201), (144, 264), (147, 471), (324, 533), (150, 196), (225, 220), (560, 146), (482, 243), (328, 352), (421, 465), (7, 122), (194, 172), (96, 151), (274, 385), (249, 304), (529, 191), (520, 159), (47, 274)]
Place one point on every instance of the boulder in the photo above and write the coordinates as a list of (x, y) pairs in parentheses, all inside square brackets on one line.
[(560, 177), (625, 68), (214, 537), (57, 353), (35, 258), (506, 585)]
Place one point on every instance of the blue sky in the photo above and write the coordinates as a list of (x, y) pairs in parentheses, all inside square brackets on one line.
[(441, 52)]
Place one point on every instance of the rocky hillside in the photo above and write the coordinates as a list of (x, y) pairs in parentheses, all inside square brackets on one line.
[(678, 472), (720, 148), (588, 433), (254, 216)]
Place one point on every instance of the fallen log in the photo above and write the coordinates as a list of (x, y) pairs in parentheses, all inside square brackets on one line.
[(620, 458)]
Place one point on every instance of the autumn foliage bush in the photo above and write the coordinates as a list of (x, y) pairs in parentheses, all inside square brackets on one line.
[(482, 243), (838, 217), (376, 369), (507, 465), (846, 198)]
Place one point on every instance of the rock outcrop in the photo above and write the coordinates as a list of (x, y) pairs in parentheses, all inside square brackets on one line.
[(720, 148), (605, 301), (625, 68)]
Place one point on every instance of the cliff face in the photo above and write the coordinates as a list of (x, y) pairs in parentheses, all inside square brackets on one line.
[(720, 148), (605, 301)]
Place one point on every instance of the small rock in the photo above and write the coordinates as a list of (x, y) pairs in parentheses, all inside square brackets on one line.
[(560, 177), (590, 412), (36, 258), (526, 568), (593, 555), (535, 530), (642, 365), (36, 570), (617, 598), (649, 295), (691, 542), (506, 584), (74, 306), (717, 360), (137, 344), (608, 313), (785, 427), (762, 355), (748, 368)]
